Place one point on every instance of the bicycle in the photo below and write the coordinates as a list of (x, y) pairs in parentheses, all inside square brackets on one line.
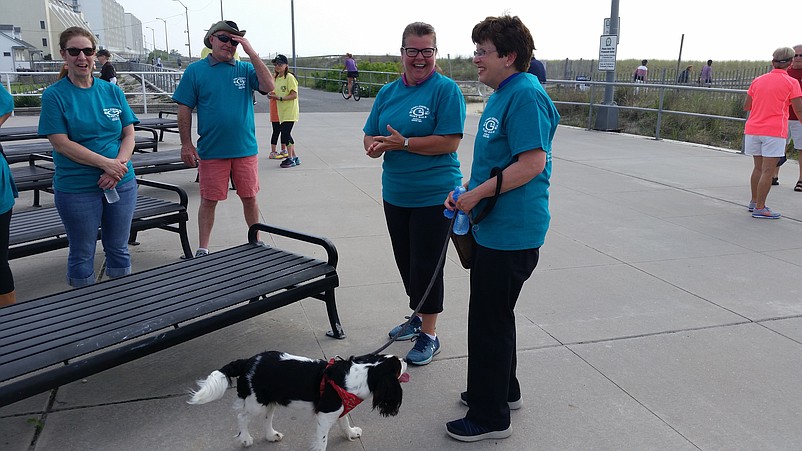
[(356, 88)]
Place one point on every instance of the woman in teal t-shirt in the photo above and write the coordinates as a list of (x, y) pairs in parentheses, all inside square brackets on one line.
[(416, 125), (8, 191), (515, 134), (91, 128)]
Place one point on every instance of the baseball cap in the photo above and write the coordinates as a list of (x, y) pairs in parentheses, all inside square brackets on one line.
[(281, 59), (224, 25), (783, 54)]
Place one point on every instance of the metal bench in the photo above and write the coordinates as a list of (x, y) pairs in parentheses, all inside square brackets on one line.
[(161, 123), (21, 150), (40, 230), (58, 339)]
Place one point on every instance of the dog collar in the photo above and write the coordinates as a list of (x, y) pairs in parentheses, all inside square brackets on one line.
[(348, 399)]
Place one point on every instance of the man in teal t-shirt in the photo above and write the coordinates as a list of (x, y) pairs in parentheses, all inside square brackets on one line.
[(221, 89)]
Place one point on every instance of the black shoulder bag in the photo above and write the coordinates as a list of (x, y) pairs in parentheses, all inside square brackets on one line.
[(466, 244)]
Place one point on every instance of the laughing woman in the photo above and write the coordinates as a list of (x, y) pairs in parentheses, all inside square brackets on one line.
[(91, 129), (416, 124), (515, 134)]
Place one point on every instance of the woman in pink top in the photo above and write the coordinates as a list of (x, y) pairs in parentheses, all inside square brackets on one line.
[(766, 129)]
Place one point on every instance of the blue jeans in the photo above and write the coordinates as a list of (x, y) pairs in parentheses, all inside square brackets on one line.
[(82, 214)]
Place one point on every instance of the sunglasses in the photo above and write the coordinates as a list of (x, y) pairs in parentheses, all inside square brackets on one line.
[(798, 55), (226, 39), (88, 51)]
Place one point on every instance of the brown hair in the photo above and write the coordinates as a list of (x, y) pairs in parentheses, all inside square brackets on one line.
[(72, 32), (418, 29), (508, 35)]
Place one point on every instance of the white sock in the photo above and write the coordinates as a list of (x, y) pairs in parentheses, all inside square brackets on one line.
[(431, 336)]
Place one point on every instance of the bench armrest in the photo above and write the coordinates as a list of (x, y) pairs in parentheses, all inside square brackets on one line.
[(182, 195), (166, 113), (331, 251)]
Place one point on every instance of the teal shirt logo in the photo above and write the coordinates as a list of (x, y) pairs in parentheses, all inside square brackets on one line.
[(419, 113), (239, 82), (489, 127), (112, 113)]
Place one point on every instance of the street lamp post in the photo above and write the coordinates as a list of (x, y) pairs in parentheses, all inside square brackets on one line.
[(189, 40), (221, 10), (153, 35), (166, 45)]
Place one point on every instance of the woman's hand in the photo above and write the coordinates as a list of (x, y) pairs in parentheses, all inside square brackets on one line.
[(115, 169), (106, 182)]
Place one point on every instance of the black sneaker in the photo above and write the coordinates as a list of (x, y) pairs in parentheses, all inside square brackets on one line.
[(466, 430), (514, 405)]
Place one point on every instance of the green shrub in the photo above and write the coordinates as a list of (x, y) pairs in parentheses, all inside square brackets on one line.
[(27, 101)]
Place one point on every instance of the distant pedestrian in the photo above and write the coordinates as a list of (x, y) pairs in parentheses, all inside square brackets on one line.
[(685, 75), (706, 76), (286, 93), (107, 71), (641, 74), (537, 69), (352, 72), (159, 61), (766, 130), (794, 127)]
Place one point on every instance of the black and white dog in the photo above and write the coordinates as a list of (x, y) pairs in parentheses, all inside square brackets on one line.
[(331, 389)]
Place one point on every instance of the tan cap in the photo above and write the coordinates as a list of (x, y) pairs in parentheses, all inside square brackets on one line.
[(223, 25)]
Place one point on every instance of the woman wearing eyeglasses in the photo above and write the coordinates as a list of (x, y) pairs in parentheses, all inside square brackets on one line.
[(416, 124), (91, 128), (515, 134)]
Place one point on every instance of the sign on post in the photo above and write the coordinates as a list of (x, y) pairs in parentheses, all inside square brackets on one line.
[(607, 48)]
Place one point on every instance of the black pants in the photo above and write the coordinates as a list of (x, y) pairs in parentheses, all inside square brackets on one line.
[(496, 281), (417, 236), (276, 133), (6, 278), (286, 133)]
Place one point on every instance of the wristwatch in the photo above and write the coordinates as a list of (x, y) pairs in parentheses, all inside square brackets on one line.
[(406, 143)]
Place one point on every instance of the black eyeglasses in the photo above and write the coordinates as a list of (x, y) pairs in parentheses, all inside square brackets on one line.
[(225, 39), (797, 55), (88, 51), (413, 52)]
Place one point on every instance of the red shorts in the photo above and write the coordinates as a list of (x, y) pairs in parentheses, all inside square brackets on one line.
[(214, 175)]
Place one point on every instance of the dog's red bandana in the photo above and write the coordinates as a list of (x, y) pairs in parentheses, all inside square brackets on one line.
[(349, 399)]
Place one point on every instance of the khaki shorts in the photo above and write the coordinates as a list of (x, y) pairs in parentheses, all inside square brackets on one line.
[(214, 174)]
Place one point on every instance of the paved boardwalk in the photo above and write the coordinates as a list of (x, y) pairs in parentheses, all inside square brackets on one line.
[(644, 326)]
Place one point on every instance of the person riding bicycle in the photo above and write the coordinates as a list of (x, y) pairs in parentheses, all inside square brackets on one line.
[(352, 72)]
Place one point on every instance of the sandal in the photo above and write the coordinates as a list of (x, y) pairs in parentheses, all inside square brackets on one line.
[(798, 187), (775, 181)]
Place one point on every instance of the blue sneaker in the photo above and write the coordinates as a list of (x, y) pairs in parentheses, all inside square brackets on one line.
[(466, 430), (297, 161), (765, 213), (288, 163), (411, 330), (751, 206), (424, 350)]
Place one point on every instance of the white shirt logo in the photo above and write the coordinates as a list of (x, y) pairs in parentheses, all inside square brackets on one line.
[(239, 82), (419, 113), (112, 113), (490, 126)]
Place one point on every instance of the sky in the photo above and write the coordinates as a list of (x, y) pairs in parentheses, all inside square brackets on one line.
[(561, 29)]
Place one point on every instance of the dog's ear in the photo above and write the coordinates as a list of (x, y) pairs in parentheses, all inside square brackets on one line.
[(386, 389)]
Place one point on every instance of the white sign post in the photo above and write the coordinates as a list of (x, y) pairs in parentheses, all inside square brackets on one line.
[(607, 48)]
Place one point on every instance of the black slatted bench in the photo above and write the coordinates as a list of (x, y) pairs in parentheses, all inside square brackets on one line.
[(54, 340), (162, 123), (39, 230), (20, 151), (156, 162)]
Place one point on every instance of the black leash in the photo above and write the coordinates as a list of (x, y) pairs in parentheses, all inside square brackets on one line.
[(428, 288)]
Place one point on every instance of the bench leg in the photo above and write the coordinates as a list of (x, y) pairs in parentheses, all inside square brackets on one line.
[(334, 319), (182, 232), (36, 198)]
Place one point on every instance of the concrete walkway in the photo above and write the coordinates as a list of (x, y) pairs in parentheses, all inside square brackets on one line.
[(661, 316)]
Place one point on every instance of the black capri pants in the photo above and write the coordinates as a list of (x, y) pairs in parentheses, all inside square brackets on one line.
[(285, 128), (417, 236), (6, 277)]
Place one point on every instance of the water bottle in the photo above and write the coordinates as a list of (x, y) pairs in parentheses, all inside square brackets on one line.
[(111, 195), (462, 223)]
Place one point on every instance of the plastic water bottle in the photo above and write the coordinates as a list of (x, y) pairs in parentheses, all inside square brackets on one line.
[(111, 195), (462, 223)]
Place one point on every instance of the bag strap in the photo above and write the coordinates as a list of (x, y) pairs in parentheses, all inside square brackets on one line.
[(496, 172)]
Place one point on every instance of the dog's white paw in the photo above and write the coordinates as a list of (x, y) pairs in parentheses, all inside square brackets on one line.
[(276, 436), (245, 439), (354, 433)]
